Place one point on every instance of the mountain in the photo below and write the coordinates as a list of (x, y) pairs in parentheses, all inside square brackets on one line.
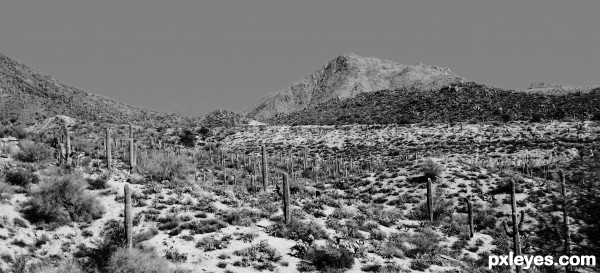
[(347, 76), (225, 118), (28, 97), (456, 102), (557, 89)]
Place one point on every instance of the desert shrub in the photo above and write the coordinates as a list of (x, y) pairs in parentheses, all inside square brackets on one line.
[(99, 183), (419, 264), (503, 185), (329, 257), (425, 242), (432, 169), (12, 131), (62, 200), (5, 191), (442, 208), (210, 243), (506, 117), (484, 219), (137, 261), (203, 226), (33, 151), (172, 168), (298, 230), (21, 177), (536, 118), (260, 252), (62, 267), (97, 257), (241, 217), (187, 138)]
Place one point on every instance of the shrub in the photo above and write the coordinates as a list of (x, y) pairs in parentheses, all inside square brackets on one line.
[(99, 183), (503, 185), (21, 177), (442, 208), (5, 191), (506, 117), (166, 167), (33, 151), (329, 257), (432, 169), (260, 252), (536, 118), (62, 200), (137, 261), (297, 230), (63, 267)]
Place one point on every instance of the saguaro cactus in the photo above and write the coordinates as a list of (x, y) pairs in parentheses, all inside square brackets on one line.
[(131, 150), (517, 228), (264, 168), (470, 212), (128, 220), (108, 149), (429, 200), (68, 146), (286, 199), (563, 191)]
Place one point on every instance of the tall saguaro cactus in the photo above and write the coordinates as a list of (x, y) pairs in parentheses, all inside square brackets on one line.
[(286, 199), (264, 168), (68, 146), (108, 149), (132, 162), (563, 191), (128, 219), (429, 200), (470, 212), (516, 228)]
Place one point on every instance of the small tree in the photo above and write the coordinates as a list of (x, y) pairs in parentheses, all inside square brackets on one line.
[(33, 151), (432, 169), (187, 138)]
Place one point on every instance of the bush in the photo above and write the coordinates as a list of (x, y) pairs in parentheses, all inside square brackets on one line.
[(329, 257), (63, 267), (21, 177), (297, 230), (503, 185), (442, 208), (137, 261), (61, 201), (99, 183), (536, 118), (166, 167), (33, 151), (187, 138), (432, 169), (5, 191)]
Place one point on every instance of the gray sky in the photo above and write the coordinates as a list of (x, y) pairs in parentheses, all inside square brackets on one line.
[(192, 57)]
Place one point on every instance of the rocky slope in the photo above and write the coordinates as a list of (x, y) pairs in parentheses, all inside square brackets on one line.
[(27, 97), (456, 102), (347, 76)]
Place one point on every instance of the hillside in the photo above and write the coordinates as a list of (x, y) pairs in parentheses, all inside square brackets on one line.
[(558, 89), (225, 118), (346, 77), (27, 97), (457, 102)]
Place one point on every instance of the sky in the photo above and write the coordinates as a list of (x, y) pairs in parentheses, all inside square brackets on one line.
[(194, 56)]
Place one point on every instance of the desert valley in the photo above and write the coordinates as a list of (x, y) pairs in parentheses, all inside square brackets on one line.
[(365, 165)]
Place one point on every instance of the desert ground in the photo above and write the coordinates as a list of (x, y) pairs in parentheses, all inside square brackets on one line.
[(357, 196)]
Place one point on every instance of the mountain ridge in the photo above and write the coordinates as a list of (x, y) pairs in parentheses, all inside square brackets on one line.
[(345, 77), (28, 97)]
